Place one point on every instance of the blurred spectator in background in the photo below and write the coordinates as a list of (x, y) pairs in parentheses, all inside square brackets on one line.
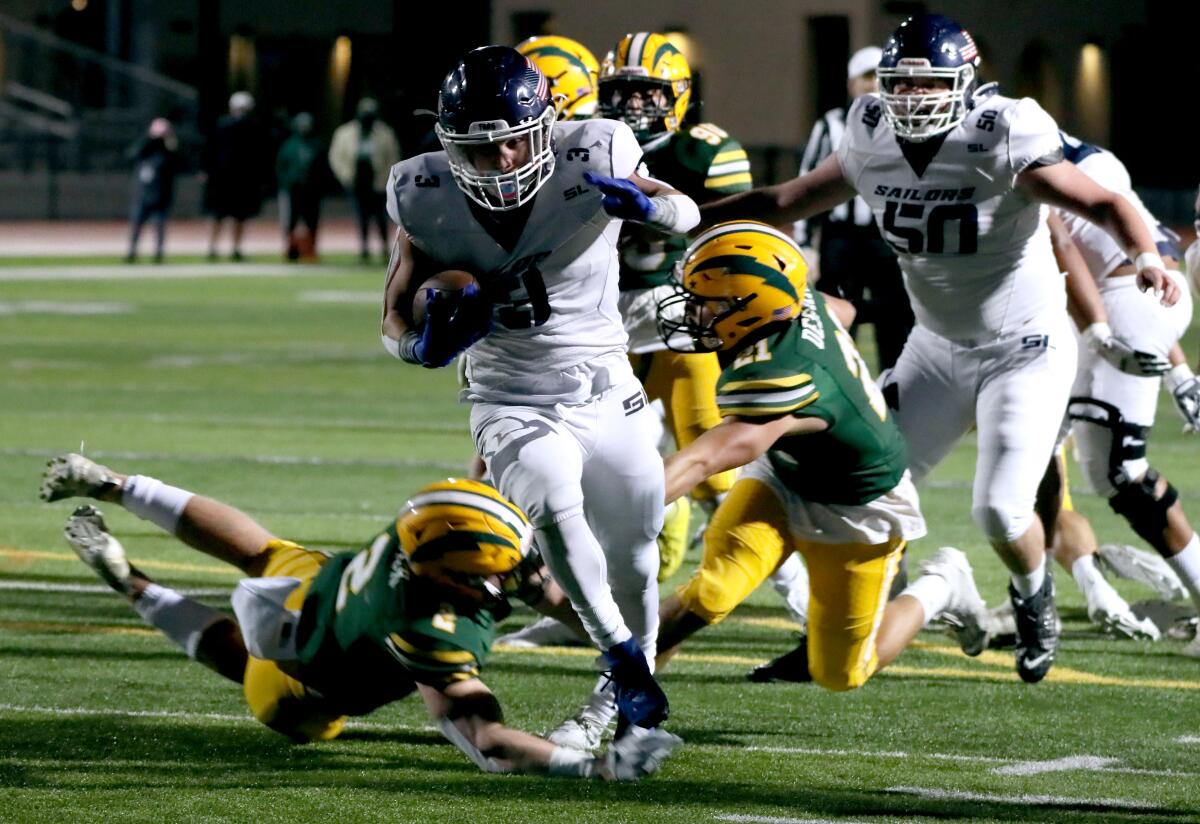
[(156, 162), (301, 177), (855, 263), (237, 164), (362, 153)]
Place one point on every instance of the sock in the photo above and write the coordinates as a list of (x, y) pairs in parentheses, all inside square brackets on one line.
[(1028, 584), (152, 500), (932, 591), (790, 582), (1186, 564), (179, 618), (1097, 592), (601, 705)]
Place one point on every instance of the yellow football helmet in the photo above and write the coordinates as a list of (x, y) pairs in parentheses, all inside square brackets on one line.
[(572, 70), (460, 532), (733, 280), (646, 82)]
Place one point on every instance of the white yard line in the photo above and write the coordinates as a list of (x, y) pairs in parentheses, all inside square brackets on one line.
[(1188, 739), (1091, 763), (171, 271), (938, 794), (339, 296), (97, 589), (271, 460), (773, 819)]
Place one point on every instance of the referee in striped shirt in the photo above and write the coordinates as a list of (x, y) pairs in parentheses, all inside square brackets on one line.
[(855, 262)]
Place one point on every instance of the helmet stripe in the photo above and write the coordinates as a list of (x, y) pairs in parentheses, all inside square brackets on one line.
[(664, 49), (636, 46), (746, 265), (742, 226), (511, 516)]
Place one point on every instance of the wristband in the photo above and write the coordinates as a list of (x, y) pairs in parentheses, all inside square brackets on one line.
[(677, 214), (569, 762), (1176, 375), (1148, 259), (1096, 334), (404, 349)]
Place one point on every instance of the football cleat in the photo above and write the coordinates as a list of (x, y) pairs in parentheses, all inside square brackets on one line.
[(792, 666), (1001, 626), (88, 535), (640, 700), (544, 632), (1109, 611), (965, 612), (72, 475), (1147, 568), (639, 753), (1192, 649), (673, 539), (1037, 631), (579, 733)]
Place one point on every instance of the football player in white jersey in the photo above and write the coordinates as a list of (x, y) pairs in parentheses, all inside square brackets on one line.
[(1115, 395), (533, 207), (958, 191)]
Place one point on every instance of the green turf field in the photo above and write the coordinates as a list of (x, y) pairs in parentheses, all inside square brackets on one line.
[(273, 393)]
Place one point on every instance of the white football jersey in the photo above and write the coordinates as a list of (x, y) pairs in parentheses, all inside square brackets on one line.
[(975, 253), (555, 292), (1099, 249)]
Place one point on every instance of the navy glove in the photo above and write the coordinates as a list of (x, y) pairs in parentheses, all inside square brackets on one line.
[(453, 321), (622, 198)]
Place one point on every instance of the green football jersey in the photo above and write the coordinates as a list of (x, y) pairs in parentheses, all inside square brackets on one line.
[(703, 162), (370, 629), (812, 369)]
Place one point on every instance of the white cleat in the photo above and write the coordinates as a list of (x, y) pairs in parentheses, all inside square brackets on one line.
[(1115, 618), (1192, 650), (71, 475), (966, 612), (544, 632), (579, 733), (1144, 567), (88, 535)]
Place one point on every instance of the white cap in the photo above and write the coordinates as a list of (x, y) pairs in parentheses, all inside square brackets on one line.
[(863, 61)]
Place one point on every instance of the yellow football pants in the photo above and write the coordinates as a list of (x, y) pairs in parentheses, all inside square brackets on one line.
[(748, 538), (276, 698), (686, 383)]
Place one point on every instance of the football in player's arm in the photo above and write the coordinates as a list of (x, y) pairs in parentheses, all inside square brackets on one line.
[(318, 637)]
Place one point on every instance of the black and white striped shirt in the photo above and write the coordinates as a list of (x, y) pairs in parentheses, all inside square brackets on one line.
[(826, 134)]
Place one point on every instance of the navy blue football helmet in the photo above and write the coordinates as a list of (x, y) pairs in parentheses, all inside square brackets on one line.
[(493, 95), (924, 48)]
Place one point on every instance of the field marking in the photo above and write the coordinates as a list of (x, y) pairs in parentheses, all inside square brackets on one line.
[(175, 271), (97, 589), (1024, 800), (1090, 763), (51, 307), (774, 819), (1188, 739), (267, 460), (70, 557), (339, 296), (61, 627)]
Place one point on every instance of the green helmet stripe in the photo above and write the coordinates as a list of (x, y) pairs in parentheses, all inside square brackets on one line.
[(555, 51), (746, 265), (665, 48)]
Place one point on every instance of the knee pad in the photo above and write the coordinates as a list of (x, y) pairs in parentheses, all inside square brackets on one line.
[(999, 523), (735, 563), (1126, 458), (1138, 503)]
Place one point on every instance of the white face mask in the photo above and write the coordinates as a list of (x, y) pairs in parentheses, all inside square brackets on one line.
[(495, 190), (919, 117)]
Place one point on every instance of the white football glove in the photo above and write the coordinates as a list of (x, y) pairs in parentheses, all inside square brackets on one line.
[(1100, 339), (637, 753), (1185, 391)]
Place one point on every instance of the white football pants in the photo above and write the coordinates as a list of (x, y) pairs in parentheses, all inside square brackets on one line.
[(590, 480), (1013, 391)]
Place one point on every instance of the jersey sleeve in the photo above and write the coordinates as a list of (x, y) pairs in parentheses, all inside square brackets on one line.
[(862, 119), (393, 205), (729, 170), (432, 660), (759, 390), (1032, 137), (626, 153)]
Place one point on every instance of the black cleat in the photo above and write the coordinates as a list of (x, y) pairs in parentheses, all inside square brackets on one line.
[(791, 666), (1037, 631)]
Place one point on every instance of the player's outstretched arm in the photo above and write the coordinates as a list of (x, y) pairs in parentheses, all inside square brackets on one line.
[(469, 716), (1062, 185), (647, 201), (733, 443), (784, 203)]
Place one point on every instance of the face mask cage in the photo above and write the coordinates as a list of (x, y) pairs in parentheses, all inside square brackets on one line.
[(919, 117), (645, 117), (501, 191), (684, 316)]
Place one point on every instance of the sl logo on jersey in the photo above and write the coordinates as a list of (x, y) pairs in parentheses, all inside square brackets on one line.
[(579, 154), (634, 403), (976, 148), (1035, 342), (871, 114), (574, 192), (431, 182)]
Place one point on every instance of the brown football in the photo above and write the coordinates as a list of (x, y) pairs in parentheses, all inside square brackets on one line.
[(451, 280)]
